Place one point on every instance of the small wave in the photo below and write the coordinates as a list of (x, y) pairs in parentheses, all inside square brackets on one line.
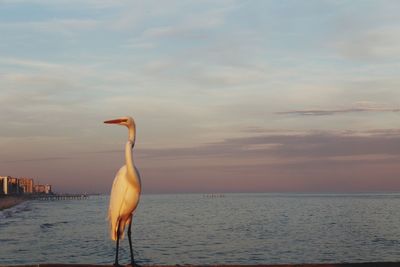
[(7, 240), (389, 242), (7, 213), (45, 226)]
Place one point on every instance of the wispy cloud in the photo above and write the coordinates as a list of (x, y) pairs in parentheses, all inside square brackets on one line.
[(328, 112), (377, 44), (313, 161), (35, 160), (311, 145), (54, 25), (365, 36), (68, 3), (357, 107)]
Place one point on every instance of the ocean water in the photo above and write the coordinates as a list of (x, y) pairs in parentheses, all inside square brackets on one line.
[(193, 229)]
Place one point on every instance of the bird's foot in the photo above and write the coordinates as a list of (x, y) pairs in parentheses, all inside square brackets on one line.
[(116, 264)]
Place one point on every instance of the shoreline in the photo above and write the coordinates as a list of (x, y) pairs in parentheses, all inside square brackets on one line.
[(7, 202)]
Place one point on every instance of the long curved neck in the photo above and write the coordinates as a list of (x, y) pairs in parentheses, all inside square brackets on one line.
[(132, 134), (128, 151)]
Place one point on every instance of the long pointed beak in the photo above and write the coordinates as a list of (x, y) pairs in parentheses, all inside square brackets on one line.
[(117, 121)]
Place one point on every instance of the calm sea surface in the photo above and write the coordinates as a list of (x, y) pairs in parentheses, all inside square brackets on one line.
[(179, 229)]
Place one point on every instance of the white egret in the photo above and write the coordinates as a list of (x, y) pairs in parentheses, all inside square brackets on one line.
[(125, 192)]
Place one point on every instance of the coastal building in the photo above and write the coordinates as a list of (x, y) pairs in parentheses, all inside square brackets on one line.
[(47, 189), (4, 185), (39, 189), (42, 189), (9, 185), (12, 186), (26, 185)]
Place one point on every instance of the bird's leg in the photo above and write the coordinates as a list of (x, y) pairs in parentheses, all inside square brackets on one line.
[(116, 264), (130, 244)]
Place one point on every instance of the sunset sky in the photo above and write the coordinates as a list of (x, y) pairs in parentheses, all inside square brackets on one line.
[(228, 96)]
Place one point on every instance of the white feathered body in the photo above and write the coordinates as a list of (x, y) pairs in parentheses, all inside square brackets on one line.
[(125, 194)]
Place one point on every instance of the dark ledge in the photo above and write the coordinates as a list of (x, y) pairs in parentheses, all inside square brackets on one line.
[(365, 264)]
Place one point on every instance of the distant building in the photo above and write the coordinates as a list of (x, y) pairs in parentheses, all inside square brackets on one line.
[(26, 185), (39, 189), (11, 186), (42, 189), (4, 185), (47, 189)]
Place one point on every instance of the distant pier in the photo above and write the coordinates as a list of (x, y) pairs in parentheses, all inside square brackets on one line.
[(59, 197), (213, 195)]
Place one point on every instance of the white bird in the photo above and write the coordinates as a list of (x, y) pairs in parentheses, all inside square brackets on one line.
[(125, 192)]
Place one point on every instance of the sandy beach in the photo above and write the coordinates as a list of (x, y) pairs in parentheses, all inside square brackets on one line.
[(10, 201)]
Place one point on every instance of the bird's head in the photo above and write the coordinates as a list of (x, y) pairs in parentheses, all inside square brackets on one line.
[(125, 121)]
